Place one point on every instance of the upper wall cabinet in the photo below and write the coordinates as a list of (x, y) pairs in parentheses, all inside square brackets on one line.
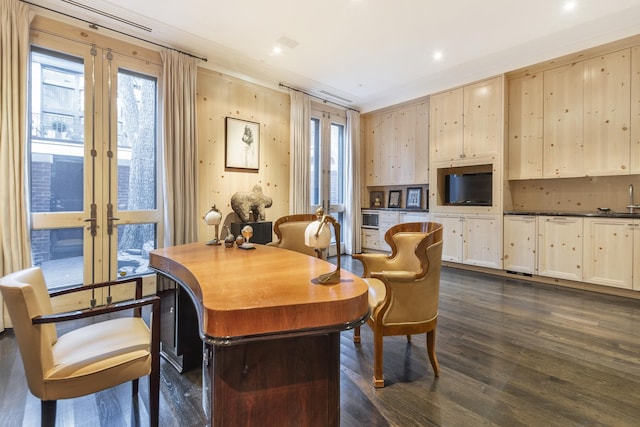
[(525, 141), (466, 122), (563, 120), (396, 146), (578, 120), (635, 111), (607, 98)]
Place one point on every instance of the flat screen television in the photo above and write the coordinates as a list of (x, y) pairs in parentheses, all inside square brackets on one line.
[(469, 189)]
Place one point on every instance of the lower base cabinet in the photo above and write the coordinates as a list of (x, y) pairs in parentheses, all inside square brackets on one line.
[(612, 252), (472, 239), (560, 241), (520, 241)]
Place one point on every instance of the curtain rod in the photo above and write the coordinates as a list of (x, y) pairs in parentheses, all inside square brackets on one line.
[(317, 97), (95, 26)]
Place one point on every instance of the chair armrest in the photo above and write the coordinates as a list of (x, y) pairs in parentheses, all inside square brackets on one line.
[(80, 288), (153, 300), (395, 276), (372, 262)]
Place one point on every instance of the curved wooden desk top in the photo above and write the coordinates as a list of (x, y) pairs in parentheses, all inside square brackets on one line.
[(249, 294)]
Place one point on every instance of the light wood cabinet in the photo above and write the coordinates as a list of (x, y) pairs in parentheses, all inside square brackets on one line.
[(396, 146), (386, 220), (466, 122), (520, 241), (608, 251), (525, 139), (563, 121), (370, 239), (607, 114), (472, 239), (635, 111), (560, 247)]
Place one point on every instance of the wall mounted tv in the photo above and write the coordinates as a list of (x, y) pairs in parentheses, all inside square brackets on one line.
[(469, 189)]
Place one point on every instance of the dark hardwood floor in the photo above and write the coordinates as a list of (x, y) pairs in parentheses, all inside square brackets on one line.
[(511, 353)]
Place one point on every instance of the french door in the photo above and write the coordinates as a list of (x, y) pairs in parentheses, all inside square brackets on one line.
[(327, 166), (93, 163)]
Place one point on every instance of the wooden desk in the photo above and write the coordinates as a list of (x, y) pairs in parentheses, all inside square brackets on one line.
[(273, 333)]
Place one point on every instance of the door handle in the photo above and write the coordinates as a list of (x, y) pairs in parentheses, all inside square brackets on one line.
[(110, 219), (93, 220)]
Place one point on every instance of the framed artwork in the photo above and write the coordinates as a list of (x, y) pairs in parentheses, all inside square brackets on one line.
[(394, 198), (414, 197), (242, 144), (377, 199)]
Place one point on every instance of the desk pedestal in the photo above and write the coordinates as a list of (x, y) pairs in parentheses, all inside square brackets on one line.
[(277, 382)]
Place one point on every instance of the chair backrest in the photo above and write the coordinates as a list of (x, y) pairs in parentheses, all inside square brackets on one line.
[(290, 232), (403, 239), (416, 299), (26, 295)]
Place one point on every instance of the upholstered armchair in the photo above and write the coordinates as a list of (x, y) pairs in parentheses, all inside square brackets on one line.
[(404, 288), (90, 358), (290, 233)]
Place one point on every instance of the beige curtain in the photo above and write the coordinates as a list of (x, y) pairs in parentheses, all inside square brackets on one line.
[(353, 237), (180, 147), (15, 250), (299, 197)]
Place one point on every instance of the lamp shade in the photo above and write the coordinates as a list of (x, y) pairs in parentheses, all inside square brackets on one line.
[(213, 217), (317, 235)]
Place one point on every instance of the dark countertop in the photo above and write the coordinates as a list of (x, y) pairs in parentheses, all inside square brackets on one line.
[(596, 214), (396, 209)]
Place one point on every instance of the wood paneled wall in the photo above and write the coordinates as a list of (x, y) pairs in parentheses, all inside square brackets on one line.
[(221, 96)]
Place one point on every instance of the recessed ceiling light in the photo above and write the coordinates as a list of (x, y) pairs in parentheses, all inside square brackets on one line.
[(277, 50), (437, 55), (569, 6)]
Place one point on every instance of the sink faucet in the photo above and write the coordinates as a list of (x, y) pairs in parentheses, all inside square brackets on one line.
[(632, 206)]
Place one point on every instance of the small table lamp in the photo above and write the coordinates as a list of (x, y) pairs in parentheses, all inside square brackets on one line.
[(318, 236), (213, 217)]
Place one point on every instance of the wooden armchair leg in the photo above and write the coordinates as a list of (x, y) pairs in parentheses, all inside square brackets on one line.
[(48, 413), (431, 351), (356, 334), (408, 338), (378, 376)]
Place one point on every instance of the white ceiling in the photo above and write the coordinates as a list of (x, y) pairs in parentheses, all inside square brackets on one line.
[(370, 53)]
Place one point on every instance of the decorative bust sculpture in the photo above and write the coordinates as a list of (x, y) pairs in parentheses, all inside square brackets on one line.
[(250, 206)]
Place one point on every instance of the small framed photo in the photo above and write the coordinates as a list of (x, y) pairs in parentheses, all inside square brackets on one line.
[(242, 144), (377, 199), (414, 198), (394, 198)]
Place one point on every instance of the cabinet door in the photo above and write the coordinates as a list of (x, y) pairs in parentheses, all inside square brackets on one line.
[(607, 114), (636, 255), (421, 154), (386, 220), (370, 239), (608, 252), (520, 238), (482, 240), (452, 232), (414, 217), (563, 120), (446, 119), (482, 118), (525, 147), (404, 169), (560, 247), (635, 110)]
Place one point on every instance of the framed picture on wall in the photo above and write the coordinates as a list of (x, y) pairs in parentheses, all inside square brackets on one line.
[(394, 198), (242, 144), (414, 198)]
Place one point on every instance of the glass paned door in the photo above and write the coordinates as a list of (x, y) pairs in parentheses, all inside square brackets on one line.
[(327, 165), (93, 163)]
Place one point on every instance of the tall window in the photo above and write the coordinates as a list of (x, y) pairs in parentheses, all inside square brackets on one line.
[(327, 169), (94, 188)]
